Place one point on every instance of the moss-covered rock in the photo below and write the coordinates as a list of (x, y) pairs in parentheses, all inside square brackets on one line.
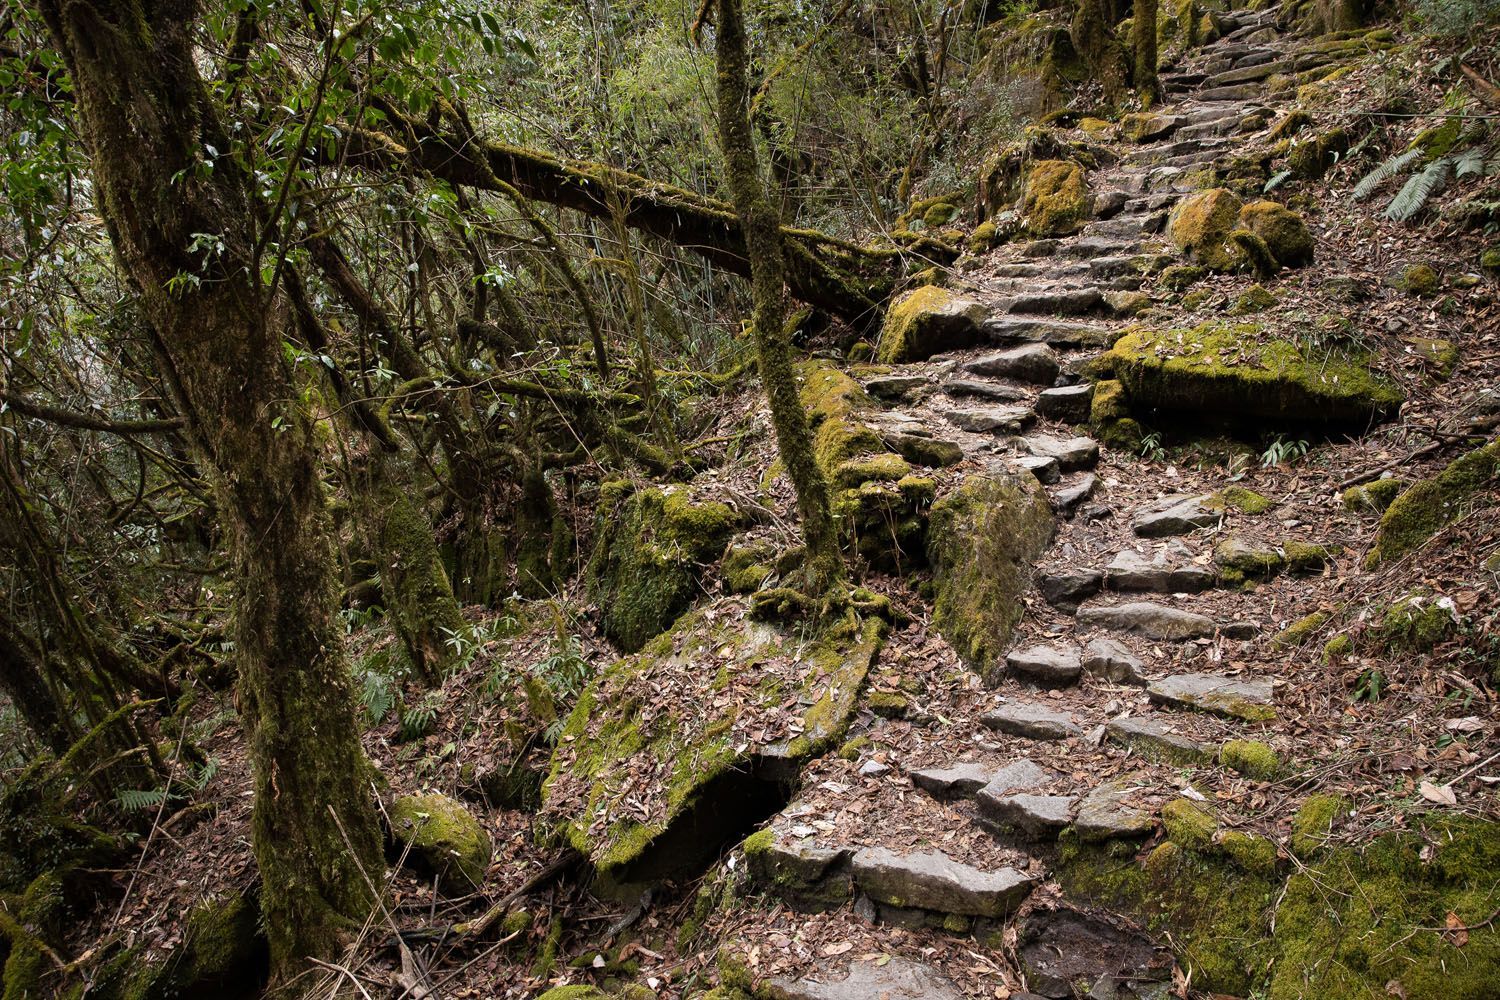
[(885, 522), (1284, 232), (650, 545), (1252, 758), (1227, 371), (35, 927), (1301, 631), (883, 468), (1416, 623), (441, 839), (1110, 419), (1311, 158), (1373, 498), (1420, 280), (1239, 561), (1315, 821), (928, 321), (1489, 262), (1201, 223), (1144, 126), (1441, 356), (1181, 277), (746, 568), (633, 767), (981, 540), (1189, 824), (1431, 505), (1253, 300), (834, 404), (1055, 200), (1246, 501)]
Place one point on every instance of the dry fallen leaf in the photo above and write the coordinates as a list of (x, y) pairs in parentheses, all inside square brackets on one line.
[(838, 948), (1457, 932), (1440, 794)]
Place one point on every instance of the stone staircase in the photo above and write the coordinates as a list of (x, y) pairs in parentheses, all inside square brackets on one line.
[(1087, 734)]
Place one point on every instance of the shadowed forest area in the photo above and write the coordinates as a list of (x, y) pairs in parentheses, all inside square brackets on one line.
[(750, 501)]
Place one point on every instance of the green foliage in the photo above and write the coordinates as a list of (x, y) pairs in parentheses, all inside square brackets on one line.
[(1455, 18), (1282, 451)]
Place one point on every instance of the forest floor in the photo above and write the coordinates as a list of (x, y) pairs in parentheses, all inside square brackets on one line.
[(1402, 738)]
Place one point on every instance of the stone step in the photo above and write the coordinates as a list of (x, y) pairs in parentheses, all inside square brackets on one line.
[(1250, 699), (1178, 514), (1125, 265), (934, 883), (1153, 739), (1258, 55), (1100, 246), (976, 389), (991, 419), (897, 387), (1045, 666), (1035, 817), (1154, 621), (893, 979), (960, 781), (1031, 721), (1108, 204), (1130, 570), (1058, 333), (1071, 454), (1236, 92), (1070, 302), (1046, 470), (1069, 587), (1034, 363), (1121, 227), (1114, 662), (1110, 812), (1068, 498), (1066, 403)]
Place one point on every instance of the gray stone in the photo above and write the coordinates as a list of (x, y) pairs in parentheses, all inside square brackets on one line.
[(1045, 468), (896, 386), (1036, 722), (897, 979), (1241, 630), (801, 872), (1019, 775), (919, 449), (1071, 453), (1113, 661), (1068, 403), (1109, 203), (1035, 363), (1152, 739), (1060, 948), (988, 420), (1154, 621), (974, 388), (1072, 302), (1238, 698), (1179, 514), (1059, 333), (1110, 811), (1067, 588), (1130, 570), (1067, 499), (1046, 666), (959, 781), (1037, 816), (933, 881)]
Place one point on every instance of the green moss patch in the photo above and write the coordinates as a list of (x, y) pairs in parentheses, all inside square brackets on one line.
[(1431, 505), (928, 321), (1055, 200), (1252, 758), (442, 839), (981, 541), (1373, 498), (1229, 370)]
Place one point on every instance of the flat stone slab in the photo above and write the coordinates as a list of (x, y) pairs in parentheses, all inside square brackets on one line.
[(1236, 697), (933, 881), (1152, 739), (989, 420), (1069, 403), (1070, 453), (956, 782), (1020, 775), (1067, 499), (1130, 570), (1110, 811), (1074, 302), (897, 979), (974, 388), (1154, 621), (896, 386), (1036, 816), (1033, 721), (1047, 666), (1045, 468), (1036, 363), (1067, 588), (1056, 332), (1180, 514), (1113, 661)]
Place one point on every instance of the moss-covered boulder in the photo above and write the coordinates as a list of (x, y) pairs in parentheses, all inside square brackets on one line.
[(1110, 419), (1282, 230), (650, 544), (928, 321), (442, 840), (1433, 504), (1416, 623), (1315, 155), (669, 750), (981, 541), (1228, 371), (834, 404), (1201, 223), (1056, 199), (1252, 758), (1373, 498), (886, 522)]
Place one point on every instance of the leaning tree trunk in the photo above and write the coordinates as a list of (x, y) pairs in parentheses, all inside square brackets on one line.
[(1094, 37), (761, 224), (1143, 44), (148, 117)]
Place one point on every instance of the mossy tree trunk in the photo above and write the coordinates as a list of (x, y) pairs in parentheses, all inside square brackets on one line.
[(1094, 37), (25, 684), (219, 333), (761, 223), (1143, 44)]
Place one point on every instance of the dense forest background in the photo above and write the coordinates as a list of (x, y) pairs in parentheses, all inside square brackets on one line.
[(359, 361)]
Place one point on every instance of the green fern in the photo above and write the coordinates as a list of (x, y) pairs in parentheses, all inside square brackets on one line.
[(140, 799), (1388, 168), (1419, 189)]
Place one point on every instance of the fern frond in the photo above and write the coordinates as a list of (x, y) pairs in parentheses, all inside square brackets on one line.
[(1419, 189), (1276, 181), (1469, 163), (1384, 172), (140, 799)]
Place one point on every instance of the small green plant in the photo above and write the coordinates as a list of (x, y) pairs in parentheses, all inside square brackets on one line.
[(1152, 450), (419, 719), (1283, 452), (1237, 468), (1370, 686)]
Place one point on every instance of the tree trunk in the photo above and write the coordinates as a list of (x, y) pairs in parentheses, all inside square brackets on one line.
[(761, 224), (1094, 38), (25, 684), (148, 118), (1143, 43)]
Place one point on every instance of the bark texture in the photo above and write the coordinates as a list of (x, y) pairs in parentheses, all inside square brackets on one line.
[(1143, 44), (147, 116)]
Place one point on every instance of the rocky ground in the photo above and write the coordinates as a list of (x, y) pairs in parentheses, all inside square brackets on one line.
[(1223, 675)]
